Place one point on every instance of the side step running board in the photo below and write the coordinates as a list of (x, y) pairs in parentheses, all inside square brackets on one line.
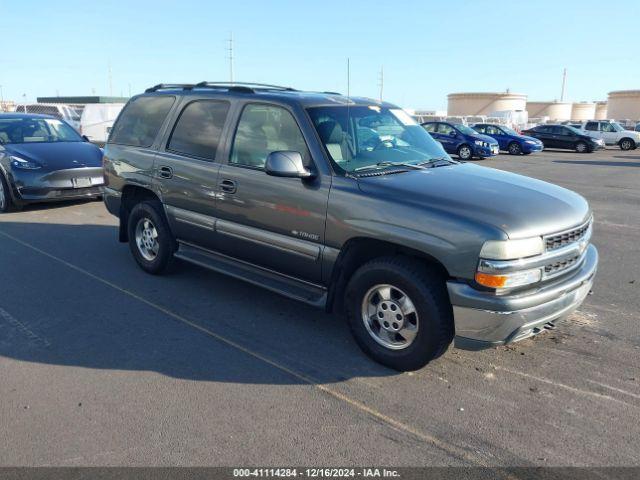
[(289, 287)]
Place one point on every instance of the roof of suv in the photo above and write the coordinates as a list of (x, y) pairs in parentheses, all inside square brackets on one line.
[(265, 92)]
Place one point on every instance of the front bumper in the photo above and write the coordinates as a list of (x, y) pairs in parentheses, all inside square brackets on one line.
[(530, 148), (484, 320), (73, 183)]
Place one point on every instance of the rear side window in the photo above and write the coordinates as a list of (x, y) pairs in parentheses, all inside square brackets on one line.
[(140, 121), (198, 129)]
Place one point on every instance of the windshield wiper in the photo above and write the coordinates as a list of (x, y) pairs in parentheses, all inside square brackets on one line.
[(438, 162), (389, 164)]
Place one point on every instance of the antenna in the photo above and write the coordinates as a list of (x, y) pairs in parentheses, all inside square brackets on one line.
[(564, 82), (381, 81), (230, 50), (110, 81)]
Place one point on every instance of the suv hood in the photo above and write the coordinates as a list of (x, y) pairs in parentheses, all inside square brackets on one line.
[(58, 155), (518, 205)]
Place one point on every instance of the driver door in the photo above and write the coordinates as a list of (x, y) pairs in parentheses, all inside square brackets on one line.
[(447, 137)]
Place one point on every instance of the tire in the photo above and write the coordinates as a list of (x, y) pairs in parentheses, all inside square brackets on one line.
[(6, 202), (514, 148), (465, 152), (152, 251), (430, 325), (582, 147), (627, 144)]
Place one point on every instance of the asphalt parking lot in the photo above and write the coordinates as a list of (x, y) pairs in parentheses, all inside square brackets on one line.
[(101, 364)]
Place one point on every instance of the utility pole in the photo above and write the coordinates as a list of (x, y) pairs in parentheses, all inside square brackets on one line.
[(129, 90), (230, 50), (381, 82), (348, 79), (110, 81), (564, 82), (1, 99)]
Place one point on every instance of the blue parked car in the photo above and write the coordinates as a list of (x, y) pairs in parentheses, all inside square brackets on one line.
[(510, 140), (462, 140)]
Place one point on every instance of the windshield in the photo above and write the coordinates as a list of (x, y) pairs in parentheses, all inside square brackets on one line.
[(466, 130), (573, 129), (360, 137), (617, 127), (508, 131), (36, 130)]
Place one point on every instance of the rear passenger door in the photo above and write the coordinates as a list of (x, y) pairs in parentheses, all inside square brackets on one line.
[(545, 135), (186, 172), (274, 222)]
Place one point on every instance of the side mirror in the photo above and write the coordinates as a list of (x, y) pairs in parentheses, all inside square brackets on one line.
[(286, 164), (452, 133), (85, 138)]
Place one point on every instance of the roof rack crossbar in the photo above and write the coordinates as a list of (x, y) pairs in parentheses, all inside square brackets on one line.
[(266, 86)]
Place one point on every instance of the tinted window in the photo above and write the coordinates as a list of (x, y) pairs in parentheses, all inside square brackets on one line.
[(591, 126), (198, 129), (36, 130), (430, 127), (140, 121), (480, 128), (542, 129), (263, 129)]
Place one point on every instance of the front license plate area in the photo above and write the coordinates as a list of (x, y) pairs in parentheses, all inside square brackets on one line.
[(81, 182)]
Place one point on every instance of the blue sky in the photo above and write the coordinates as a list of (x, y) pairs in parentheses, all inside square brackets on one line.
[(428, 48)]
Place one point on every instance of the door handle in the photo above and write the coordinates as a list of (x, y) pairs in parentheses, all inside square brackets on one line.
[(228, 186), (166, 172)]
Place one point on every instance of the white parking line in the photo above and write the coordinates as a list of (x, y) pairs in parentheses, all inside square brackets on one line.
[(451, 449)]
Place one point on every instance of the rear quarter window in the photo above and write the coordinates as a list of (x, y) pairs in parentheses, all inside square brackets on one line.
[(140, 121)]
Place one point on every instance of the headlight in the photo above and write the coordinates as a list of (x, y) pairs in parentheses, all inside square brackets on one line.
[(509, 280), (21, 163), (531, 142), (480, 143), (512, 249)]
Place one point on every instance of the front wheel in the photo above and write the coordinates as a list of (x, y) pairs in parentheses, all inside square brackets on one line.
[(464, 152), (399, 312), (627, 144), (150, 239), (6, 204), (515, 148), (582, 147)]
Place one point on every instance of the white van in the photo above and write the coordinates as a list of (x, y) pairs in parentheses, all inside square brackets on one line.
[(58, 110), (97, 119)]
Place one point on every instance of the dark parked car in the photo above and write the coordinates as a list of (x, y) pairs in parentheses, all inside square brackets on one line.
[(462, 140), (43, 159), (564, 137), (510, 140), (349, 205)]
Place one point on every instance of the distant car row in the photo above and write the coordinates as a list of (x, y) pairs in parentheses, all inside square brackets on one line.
[(484, 140)]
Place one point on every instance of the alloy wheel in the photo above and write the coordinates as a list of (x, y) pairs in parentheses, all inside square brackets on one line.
[(2, 196), (147, 239), (465, 153), (625, 145), (390, 316)]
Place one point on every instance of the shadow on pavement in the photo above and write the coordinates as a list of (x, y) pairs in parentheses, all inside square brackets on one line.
[(52, 313), (602, 163)]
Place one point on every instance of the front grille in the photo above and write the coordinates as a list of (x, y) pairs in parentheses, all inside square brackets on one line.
[(557, 267), (553, 242)]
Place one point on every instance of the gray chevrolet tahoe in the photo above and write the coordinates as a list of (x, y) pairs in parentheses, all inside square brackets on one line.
[(349, 205)]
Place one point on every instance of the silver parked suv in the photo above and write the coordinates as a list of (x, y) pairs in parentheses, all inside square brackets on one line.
[(349, 205)]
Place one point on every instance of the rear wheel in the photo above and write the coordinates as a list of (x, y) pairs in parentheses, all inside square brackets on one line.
[(464, 152), (150, 239), (582, 147), (515, 148), (399, 312), (627, 144), (6, 203)]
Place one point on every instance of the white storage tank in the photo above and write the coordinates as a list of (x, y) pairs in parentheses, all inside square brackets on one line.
[(555, 111), (624, 104), (583, 111), (601, 111), (484, 103)]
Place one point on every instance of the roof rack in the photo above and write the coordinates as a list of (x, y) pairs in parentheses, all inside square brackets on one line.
[(247, 85), (164, 86)]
